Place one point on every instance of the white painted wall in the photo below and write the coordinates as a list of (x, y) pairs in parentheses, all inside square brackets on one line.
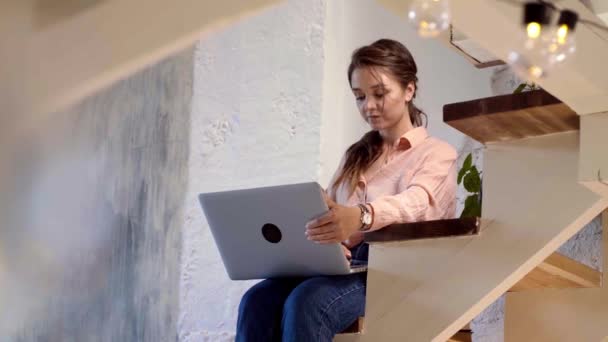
[(255, 121)]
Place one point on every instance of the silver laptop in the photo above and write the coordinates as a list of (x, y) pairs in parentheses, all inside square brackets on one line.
[(260, 232)]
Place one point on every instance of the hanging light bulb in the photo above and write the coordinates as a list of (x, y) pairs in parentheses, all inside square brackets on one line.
[(537, 16), (429, 17), (526, 69), (533, 66), (560, 42)]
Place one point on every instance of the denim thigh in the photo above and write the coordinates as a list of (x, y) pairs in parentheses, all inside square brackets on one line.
[(320, 307)]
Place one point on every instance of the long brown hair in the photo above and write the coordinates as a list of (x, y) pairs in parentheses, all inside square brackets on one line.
[(394, 57)]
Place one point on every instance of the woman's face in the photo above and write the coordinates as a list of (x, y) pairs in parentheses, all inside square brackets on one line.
[(381, 99)]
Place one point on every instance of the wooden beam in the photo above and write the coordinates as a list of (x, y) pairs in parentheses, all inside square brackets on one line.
[(593, 164), (511, 117), (54, 56), (558, 271)]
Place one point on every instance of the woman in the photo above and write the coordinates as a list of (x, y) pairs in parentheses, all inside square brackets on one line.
[(395, 173)]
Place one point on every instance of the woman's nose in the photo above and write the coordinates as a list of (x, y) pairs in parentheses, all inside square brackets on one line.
[(369, 104)]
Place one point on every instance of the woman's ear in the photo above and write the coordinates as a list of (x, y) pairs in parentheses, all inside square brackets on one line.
[(410, 90)]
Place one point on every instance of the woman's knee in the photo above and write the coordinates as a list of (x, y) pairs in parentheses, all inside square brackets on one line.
[(250, 299), (306, 302), (257, 296), (268, 295), (325, 305)]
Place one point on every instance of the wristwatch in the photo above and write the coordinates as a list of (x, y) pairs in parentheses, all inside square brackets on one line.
[(366, 218)]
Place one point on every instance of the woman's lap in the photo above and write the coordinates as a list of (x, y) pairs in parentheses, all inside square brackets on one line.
[(302, 308)]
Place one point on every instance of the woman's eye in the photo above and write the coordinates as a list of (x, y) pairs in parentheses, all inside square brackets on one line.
[(379, 95), (360, 98)]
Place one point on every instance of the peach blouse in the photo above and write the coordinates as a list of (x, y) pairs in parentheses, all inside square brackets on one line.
[(416, 182)]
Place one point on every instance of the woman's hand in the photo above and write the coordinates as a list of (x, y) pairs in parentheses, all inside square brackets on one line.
[(336, 225), (353, 240), (347, 252)]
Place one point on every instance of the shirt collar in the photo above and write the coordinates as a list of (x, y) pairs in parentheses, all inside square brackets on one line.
[(411, 138)]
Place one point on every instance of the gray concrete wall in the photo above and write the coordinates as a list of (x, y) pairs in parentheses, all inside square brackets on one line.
[(91, 209)]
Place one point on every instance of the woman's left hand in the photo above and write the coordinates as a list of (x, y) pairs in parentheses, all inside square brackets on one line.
[(336, 225)]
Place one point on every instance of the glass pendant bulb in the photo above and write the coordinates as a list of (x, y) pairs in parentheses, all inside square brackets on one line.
[(429, 17), (529, 59), (536, 18), (560, 42), (526, 69)]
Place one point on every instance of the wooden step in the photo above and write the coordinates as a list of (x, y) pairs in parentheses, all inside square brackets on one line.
[(464, 335), (510, 117), (425, 230), (558, 271)]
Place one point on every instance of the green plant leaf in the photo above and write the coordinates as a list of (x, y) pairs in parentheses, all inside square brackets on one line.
[(468, 162), (466, 165), (472, 180), (472, 207), (520, 88), (461, 174)]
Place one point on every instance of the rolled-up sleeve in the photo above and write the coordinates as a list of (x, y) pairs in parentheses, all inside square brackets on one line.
[(432, 190)]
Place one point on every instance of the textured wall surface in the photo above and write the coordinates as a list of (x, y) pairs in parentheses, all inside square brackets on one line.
[(91, 207), (256, 121)]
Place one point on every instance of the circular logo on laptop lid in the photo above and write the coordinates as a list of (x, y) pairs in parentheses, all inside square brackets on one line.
[(271, 233)]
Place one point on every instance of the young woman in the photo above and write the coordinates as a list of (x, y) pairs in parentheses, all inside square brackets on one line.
[(395, 173)]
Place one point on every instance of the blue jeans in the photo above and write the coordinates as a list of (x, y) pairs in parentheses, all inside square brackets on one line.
[(302, 309)]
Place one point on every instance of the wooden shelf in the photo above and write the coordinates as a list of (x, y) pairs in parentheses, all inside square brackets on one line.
[(425, 230), (557, 272), (510, 117)]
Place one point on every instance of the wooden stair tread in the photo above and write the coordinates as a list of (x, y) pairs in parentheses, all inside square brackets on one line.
[(559, 271), (512, 116), (464, 335), (425, 230)]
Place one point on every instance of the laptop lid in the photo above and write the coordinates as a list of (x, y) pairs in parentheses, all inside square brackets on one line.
[(260, 232)]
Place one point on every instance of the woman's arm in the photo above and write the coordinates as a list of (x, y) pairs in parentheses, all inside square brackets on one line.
[(434, 184)]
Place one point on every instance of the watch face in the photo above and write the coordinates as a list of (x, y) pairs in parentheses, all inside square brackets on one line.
[(367, 218)]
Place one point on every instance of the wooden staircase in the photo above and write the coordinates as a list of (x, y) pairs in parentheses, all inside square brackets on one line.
[(555, 272), (541, 159), (426, 288)]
